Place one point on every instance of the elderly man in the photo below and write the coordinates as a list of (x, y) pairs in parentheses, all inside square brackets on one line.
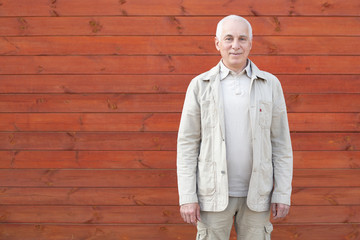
[(234, 155)]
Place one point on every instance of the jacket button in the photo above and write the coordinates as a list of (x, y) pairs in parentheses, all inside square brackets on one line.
[(223, 172)]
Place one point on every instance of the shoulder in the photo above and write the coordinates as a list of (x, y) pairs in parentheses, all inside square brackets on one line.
[(203, 78)]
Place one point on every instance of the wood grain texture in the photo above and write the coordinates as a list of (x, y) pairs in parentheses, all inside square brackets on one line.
[(162, 231), (90, 100), (327, 159), (154, 178), (158, 103), (177, 7), (21, 159), (173, 45), (161, 83), (168, 64), (80, 178), (157, 215), (156, 122), (170, 25), (80, 196), (125, 141), (88, 159)]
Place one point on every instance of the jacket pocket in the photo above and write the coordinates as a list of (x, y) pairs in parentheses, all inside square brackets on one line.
[(265, 114), (268, 230), (206, 178)]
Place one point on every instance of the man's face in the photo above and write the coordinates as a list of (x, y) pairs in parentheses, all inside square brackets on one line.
[(234, 44)]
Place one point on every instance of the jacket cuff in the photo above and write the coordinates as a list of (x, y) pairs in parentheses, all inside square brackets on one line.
[(191, 198), (279, 198)]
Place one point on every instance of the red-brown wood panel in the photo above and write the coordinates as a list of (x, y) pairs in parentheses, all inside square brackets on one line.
[(172, 45), (170, 25), (156, 122), (168, 232), (177, 7), (40, 159), (90, 100), (154, 141), (158, 103), (157, 215), (168, 64), (302, 196), (154, 178), (72, 84)]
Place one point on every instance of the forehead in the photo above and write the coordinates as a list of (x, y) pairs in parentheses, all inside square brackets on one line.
[(235, 27)]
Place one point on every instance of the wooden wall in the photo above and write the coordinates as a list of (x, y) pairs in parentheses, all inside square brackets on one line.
[(90, 99)]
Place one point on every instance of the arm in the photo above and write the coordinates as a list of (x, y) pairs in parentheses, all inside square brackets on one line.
[(188, 145), (281, 154)]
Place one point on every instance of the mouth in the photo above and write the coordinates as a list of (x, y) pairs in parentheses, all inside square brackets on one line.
[(235, 54)]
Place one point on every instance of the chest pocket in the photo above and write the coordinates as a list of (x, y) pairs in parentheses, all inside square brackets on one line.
[(265, 112)]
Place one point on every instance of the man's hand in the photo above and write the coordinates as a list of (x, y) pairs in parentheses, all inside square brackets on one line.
[(279, 210), (190, 213)]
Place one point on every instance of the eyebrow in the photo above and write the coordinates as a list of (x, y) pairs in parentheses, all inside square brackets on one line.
[(229, 35)]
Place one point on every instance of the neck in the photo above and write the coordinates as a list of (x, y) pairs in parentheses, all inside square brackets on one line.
[(239, 69)]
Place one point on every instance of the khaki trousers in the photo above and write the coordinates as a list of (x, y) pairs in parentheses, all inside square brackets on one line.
[(249, 225)]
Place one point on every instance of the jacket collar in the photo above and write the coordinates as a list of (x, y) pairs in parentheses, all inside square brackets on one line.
[(256, 73)]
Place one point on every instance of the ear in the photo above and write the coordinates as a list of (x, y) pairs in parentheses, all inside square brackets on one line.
[(217, 43)]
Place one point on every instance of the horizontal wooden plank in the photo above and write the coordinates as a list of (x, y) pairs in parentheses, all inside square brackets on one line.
[(125, 141), (316, 232), (154, 178), (164, 232), (157, 214), (161, 83), (157, 103), (80, 178), (90, 196), (171, 64), (108, 83), (88, 141), (171, 25), (329, 122), (323, 159), (306, 103), (88, 159), (177, 7), (320, 83), (154, 159), (144, 122), (321, 177), (325, 141), (127, 122), (155, 196), (92, 103), (325, 196), (173, 45)]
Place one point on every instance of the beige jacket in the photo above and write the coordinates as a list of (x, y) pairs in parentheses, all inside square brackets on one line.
[(201, 151)]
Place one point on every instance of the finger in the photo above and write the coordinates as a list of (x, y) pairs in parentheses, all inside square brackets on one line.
[(273, 206), (198, 216), (193, 218)]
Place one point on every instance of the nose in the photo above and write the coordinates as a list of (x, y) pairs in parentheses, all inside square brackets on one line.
[(236, 44)]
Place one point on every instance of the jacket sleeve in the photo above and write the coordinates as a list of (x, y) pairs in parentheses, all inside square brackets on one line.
[(282, 156), (188, 145)]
